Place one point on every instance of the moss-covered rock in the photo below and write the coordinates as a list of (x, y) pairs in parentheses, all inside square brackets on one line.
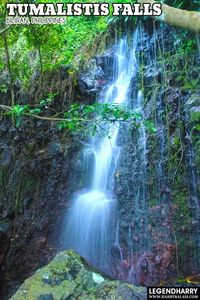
[(68, 277)]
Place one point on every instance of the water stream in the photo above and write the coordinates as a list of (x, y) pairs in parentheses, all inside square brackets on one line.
[(92, 213)]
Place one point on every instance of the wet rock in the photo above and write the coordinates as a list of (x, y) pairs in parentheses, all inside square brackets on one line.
[(54, 149), (195, 110), (88, 86), (164, 212), (115, 251), (124, 224), (119, 190), (6, 157), (55, 282), (144, 264), (192, 101), (99, 73), (5, 226), (158, 259), (46, 297), (105, 61), (151, 73)]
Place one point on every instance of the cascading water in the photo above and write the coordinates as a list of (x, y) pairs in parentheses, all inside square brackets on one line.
[(91, 217), (135, 210), (162, 149), (193, 180)]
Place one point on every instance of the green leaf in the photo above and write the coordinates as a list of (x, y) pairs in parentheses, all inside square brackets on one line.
[(17, 122), (35, 111)]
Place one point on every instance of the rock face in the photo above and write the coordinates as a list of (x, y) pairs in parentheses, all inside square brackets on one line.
[(158, 175), (68, 277)]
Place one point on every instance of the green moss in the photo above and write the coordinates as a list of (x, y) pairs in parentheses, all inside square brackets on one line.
[(153, 202), (3, 180), (68, 276), (28, 182), (197, 152), (195, 116), (190, 85), (181, 200)]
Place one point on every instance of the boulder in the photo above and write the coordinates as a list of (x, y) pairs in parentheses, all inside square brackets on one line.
[(68, 277)]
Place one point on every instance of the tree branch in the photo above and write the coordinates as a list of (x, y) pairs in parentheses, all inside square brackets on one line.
[(189, 20), (4, 29), (54, 119), (70, 119)]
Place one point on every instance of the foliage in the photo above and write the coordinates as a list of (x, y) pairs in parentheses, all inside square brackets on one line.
[(48, 99), (195, 121), (195, 116), (57, 44), (45, 47), (17, 111), (83, 119)]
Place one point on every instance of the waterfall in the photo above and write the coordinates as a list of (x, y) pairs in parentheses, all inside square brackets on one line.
[(90, 220), (140, 202), (130, 213), (193, 182), (162, 138)]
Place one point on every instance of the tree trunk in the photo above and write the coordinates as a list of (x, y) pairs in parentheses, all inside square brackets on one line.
[(41, 68), (37, 44), (9, 68), (189, 20)]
